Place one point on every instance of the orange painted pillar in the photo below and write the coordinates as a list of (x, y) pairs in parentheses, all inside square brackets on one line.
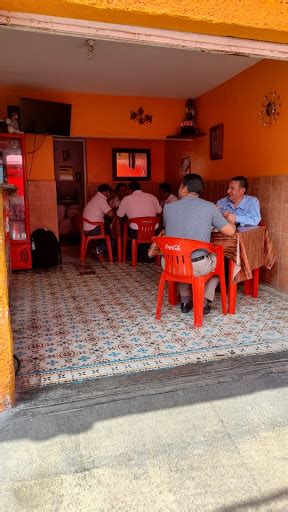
[(7, 374)]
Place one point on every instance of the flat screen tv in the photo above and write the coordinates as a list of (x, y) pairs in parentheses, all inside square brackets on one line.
[(47, 117)]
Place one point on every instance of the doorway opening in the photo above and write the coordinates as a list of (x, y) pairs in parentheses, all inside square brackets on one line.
[(70, 176)]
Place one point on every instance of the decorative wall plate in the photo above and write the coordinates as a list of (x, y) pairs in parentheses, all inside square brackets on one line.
[(270, 108)]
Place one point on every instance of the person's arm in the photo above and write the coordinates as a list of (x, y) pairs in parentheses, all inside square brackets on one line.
[(110, 213), (121, 212), (225, 226), (106, 209), (158, 206), (229, 229), (252, 216)]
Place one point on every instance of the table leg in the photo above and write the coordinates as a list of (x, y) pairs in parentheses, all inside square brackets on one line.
[(232, 293), (255, 283), (248, 286)]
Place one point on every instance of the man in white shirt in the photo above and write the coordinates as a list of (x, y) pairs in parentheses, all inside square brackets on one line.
[(120, 193), (166, 197), (138, 204), (96, 210)]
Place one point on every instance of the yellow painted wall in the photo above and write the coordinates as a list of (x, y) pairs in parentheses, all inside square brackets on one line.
[(253, 19), (249, 147)]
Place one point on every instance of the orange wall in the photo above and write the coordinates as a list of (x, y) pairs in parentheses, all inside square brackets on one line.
[(99, 157), (39, 157), (107, 116), (249, 147)]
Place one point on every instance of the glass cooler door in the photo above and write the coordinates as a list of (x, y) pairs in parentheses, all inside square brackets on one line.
[(13, 166)]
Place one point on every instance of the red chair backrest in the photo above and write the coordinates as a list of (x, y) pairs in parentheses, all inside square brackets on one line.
[(146, 227), (177, 253), (93, 225)]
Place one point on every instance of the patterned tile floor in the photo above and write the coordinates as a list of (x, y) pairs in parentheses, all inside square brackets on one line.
[(79, 322)]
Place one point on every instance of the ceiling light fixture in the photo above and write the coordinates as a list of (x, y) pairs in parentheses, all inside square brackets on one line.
[(90, 46)]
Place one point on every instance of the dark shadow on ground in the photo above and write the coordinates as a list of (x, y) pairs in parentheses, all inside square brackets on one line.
[(269, 502), (73, 408)]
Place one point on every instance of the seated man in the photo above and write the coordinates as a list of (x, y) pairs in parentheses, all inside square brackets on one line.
[(193, 218), (237, 206), (95, 210), (166, 197), (120, 192), (138, 204)]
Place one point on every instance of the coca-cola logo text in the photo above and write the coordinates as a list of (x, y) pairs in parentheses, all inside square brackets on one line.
[(172, 247)]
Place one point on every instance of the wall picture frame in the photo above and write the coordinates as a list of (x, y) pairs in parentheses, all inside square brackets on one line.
[(131, 163), (185, 166), (216, 141)]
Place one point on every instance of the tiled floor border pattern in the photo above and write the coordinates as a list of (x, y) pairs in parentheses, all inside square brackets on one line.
[(79, 322)]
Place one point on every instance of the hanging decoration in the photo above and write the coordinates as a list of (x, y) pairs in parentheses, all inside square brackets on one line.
[(90, 43), (140, 116), (270, 109)]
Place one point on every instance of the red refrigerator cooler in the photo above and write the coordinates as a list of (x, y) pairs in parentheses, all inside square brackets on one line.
[(12, 160)]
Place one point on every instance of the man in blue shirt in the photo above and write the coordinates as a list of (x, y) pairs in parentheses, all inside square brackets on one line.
[(237, 206)]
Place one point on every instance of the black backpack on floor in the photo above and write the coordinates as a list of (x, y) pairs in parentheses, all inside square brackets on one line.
[(45, 249)]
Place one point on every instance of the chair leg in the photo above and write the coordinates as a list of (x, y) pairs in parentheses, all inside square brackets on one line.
[(83, 248), (124, 254), (198, 301), (172, 293), (119, 249), (160, 296), (255, 284), (109, 248), (248, 287), (223, 293), (232, 289), (134, 252)]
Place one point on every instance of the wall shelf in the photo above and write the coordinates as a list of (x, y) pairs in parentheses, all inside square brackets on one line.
[(185, 137)]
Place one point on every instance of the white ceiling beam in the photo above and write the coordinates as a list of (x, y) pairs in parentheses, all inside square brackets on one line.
[(144, 36)]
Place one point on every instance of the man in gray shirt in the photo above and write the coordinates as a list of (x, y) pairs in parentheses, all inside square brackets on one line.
[(193, 218)]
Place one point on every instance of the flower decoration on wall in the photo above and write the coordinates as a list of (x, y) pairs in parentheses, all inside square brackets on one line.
[(270, 109), (140, 116)]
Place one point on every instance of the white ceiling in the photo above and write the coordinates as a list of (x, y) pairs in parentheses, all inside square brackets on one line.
[(61, 62)]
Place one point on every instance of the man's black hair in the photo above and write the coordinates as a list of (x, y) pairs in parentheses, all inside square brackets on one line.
[(104, 188), (165, 187), (194, 183), (134, 185), (243, 182), (119, 186)]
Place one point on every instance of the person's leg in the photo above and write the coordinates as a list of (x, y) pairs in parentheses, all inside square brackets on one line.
[(203, 267), (185, 294)]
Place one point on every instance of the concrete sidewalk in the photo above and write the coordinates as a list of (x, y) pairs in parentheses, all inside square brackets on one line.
[(205, 437)]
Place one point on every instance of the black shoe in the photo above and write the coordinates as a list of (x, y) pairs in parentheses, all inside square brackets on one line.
[(186, 307), (206, 310)]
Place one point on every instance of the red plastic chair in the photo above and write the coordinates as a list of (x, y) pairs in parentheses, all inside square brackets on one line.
[(85, 239), (179, 268), (146, 230)]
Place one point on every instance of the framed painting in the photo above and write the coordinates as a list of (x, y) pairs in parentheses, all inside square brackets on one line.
[(216, 141), (129, 163)]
